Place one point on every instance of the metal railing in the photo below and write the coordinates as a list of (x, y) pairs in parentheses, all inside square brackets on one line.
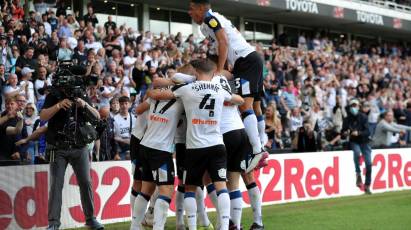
[(389, 4)]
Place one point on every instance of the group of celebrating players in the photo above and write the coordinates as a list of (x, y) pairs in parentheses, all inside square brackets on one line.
[(217, 135)]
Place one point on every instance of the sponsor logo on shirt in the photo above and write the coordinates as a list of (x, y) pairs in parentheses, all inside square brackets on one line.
[(158, 119), (203, 122)]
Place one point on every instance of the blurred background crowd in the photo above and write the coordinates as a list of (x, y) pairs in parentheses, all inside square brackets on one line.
[(309, 81)]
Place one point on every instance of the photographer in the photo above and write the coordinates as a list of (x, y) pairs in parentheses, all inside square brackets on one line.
[(69, 132), (355, 126)]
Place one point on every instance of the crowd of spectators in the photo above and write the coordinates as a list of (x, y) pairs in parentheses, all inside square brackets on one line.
[(307, 88)]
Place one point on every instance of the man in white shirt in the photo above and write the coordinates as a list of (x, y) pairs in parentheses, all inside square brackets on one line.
[(26, 74), (123, 125)]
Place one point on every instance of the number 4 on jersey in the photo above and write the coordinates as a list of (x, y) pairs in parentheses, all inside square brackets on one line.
[(209, 106)]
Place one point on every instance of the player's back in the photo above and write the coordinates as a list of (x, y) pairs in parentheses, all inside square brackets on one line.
[(203, 104), (162, 123)]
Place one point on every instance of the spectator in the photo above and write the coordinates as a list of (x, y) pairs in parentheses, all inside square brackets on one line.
[(64, 52), (65, 30), (30, 118), (114, 107), (273, 127), (110, 25), (26, 74), (385, 131), (123, 124), (90, 16), (306, 139), (6, 53), (355, 126), (26, 60), (105, 145), (11, 124)]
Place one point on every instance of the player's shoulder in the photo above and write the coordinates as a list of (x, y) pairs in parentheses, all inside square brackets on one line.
[(179, 86), (213, 20)]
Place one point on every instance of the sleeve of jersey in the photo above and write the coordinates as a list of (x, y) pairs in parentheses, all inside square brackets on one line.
[(178, 90), (213, 23)]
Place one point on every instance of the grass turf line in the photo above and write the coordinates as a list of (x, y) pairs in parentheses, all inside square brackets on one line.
[(379, 211)]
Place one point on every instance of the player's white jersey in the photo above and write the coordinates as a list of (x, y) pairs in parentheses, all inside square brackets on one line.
[(237, 45), (141, 125), (163, 117), (181, 132), (230, 117), (203, 104)]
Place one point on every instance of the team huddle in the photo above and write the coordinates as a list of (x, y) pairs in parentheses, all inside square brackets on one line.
[(216, 135)]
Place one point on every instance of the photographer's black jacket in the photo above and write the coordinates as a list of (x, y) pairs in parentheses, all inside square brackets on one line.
[(61, 118)]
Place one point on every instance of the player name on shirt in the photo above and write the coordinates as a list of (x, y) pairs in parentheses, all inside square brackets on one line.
[(205, 85)]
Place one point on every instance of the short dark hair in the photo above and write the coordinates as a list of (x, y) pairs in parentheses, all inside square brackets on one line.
[(124, 99), (201, 1), (203, 65)]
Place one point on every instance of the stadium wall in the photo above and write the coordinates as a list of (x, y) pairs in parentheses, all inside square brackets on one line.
[(287, 178)]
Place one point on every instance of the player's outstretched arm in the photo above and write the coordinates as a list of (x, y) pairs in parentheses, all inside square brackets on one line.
[(142, 107), (162, 82), (158, 94), (236, 99)]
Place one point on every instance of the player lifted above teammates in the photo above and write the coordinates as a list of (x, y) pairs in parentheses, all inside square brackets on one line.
[(247, 66)]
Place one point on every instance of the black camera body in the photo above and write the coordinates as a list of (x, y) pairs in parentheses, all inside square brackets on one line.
[(70, 82)]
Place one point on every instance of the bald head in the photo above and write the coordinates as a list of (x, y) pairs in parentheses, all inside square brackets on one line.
[(104, 112)]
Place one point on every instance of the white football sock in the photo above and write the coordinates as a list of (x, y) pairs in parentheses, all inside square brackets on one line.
[(180, 206), (133, 196), (201, 209), (250, 124), (140, 206), (261, 130), (236, 206), (160, 212), (190, 207), (224, 209), (255, 200), (212, 194)]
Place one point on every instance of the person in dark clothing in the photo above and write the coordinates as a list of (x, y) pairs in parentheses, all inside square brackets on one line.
[(307, 140), (90, 16), (67, 142), (105, 144), (355, 126), (11, 124)]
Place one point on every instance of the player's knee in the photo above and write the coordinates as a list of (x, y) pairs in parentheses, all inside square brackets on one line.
[(166, 190), (220, 185), (247, 113)]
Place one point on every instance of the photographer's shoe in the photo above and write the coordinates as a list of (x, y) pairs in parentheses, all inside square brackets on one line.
[(94, 224)]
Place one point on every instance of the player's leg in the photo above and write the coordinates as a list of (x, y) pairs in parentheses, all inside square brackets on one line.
[(194, 171), (255, 199), (162, 163), (135, 170), (217, 168), (203, 221), (179, 196), (237, 146), (147, 189), (260, 120), (236, 199)]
